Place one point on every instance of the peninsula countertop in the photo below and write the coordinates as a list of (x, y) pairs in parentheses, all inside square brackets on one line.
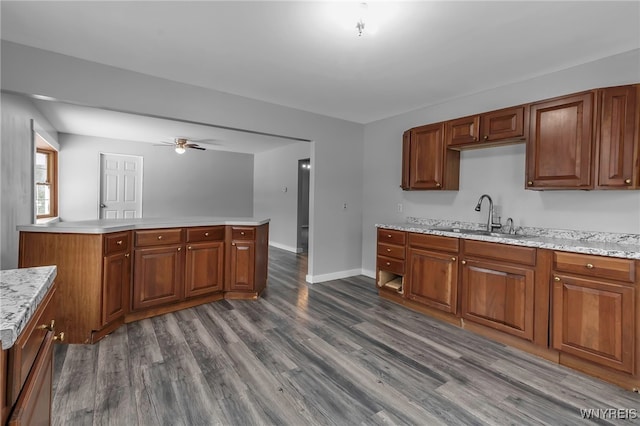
[(21, 291), (104, 226), (625, 246)]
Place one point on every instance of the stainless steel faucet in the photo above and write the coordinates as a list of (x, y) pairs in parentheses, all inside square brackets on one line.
[(490, 224)]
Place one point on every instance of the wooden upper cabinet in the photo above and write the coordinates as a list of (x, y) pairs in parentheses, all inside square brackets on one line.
[(560, 145), (426, 162), (618, 138), (505, 125), (463, 130)]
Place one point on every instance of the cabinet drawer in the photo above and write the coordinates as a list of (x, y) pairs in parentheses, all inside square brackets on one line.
[(24, 352), (595, 266), (391, 250), (158, 237), (242, 233), (433, 242), (502, 252), (392, 265), (390, 236), (114, 243), (209, 233)]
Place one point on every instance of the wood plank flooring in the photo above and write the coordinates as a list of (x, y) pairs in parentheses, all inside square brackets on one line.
[(322, 354)]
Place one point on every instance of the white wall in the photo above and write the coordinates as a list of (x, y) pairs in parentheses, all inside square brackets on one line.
[(196, 183), (499, 171), (336, 236), (16, 175), (275, 170)]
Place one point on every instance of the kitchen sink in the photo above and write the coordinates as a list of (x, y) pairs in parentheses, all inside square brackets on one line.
[(482, 232)]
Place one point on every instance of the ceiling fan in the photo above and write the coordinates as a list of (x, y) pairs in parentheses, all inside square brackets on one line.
[(181, 144)]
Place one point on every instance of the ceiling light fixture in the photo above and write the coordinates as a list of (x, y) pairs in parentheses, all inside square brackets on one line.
[(361, 22), (180, 149)]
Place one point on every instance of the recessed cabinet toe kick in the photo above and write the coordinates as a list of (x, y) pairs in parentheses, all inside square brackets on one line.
[(579, 310), (107, 279)]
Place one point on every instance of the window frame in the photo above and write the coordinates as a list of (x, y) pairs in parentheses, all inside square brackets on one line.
[(52, 178)]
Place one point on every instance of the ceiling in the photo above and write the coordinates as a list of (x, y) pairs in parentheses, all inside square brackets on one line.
[(307, 55)]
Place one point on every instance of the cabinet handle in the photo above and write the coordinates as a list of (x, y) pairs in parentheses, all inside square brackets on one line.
[(464, 262), (389, 236), (233, 244), (453, 259), (556, 279), (159, 237), (529, 183), (206, 234), (627, 181), (438, 185), (49, 327), (388, 250), (189, 248), (589, 266), (242, 233), (119, 242), (486, 137), (127, 254), (179, 248), (59, 337), (388, 263)]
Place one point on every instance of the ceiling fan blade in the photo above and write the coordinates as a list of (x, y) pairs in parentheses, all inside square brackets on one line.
[(193, 146), (164, 144)]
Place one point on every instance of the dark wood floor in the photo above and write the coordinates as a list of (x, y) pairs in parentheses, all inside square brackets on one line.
[(322, 354)]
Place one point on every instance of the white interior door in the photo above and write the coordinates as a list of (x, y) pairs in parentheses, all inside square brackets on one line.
[(120, 186)]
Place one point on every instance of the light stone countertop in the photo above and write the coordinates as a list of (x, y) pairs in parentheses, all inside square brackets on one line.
[(104, 226), (625, 246), (21, 291)]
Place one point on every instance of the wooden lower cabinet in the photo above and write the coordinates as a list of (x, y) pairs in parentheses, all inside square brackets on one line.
[(595, 320), (105, 280), (158, 276), (27, 369), (115, 286), (499, 295), (242, 259), (204, 268), (433, 279)]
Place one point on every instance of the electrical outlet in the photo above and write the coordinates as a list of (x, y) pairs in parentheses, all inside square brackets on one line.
[(344, 206), (399, 208)]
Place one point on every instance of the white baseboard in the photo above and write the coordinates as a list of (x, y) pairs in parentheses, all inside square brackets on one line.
[(313, 279), (285, 247), (368, 273)]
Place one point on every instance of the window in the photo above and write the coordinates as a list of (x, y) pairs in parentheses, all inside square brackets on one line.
[(46, 178)]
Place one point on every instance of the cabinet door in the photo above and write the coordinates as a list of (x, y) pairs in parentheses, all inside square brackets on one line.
[(242, 265), (463, 130), (594, 320), (34, 404), (617, 138), (406, 160), (158, 276), (499, 296), (559, 150), (115, 286), (433, 279), (427, 156), (503, 124), (204, 268)]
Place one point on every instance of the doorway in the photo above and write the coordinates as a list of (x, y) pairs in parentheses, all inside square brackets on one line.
[(120, 186), (304, 178)]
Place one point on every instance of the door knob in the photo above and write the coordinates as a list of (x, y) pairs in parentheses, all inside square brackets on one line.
[(102, 206)]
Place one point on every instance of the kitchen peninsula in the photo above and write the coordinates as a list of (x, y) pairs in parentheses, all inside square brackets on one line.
[(115, 271)]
